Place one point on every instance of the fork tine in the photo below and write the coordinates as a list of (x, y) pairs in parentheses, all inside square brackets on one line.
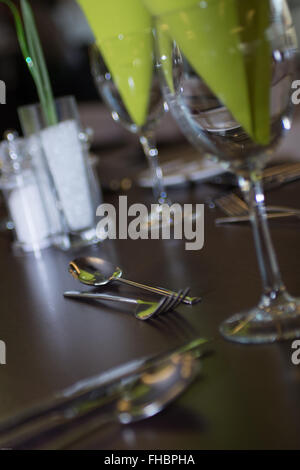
[(240, 203), (181, 297), (168, 304), (174, 301), (237, 205), (185, 293), (232, 205), (225, 207), (226, 204), (162, 305)]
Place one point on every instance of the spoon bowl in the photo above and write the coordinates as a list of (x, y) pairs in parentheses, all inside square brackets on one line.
[(157, 387), (94, 272)]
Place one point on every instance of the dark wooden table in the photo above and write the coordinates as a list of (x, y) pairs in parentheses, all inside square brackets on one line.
[(248, 396)]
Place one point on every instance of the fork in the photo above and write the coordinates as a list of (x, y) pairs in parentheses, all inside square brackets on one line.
[(237, 210), (233, 205), (281, 174), (144, 310)]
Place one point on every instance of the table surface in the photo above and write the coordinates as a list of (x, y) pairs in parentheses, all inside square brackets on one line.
[(247, 396)]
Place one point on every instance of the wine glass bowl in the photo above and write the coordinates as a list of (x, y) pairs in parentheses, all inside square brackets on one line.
[(208, 123), (111, 96), (226, 69), (129, 87)]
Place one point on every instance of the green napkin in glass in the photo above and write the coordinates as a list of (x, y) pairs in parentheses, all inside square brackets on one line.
[(165, 49), (225, 41), (123, 31)]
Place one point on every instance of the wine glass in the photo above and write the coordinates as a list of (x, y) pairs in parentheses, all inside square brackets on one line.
[(226, 69), (145, 128)]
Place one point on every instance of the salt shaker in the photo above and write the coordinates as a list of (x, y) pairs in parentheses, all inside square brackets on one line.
[(22, 195)]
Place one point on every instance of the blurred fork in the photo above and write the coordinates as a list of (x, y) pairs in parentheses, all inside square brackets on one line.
[(144, 310), (276, 175), (281, 174), (237, 210)]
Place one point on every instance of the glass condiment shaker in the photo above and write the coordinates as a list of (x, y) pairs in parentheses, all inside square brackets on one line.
[(23, 196)]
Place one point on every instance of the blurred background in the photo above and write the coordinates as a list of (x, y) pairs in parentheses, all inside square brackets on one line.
[(66, 36)]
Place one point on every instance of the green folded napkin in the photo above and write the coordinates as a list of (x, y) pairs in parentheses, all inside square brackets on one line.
[(123, 32), (165, 52), (225, 41)]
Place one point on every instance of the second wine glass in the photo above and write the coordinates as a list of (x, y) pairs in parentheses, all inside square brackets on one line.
[(227, 69), (145, 128)]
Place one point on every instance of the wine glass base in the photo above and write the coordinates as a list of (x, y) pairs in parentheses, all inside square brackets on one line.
[(85, 238), (77, 240), (265, 324)]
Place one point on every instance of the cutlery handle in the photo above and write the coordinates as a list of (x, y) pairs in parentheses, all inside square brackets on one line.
[(79, 432), (159, 290), (96, 296), (93, 399), (283, 209), (280, 180), (65, 426), (246, 218)]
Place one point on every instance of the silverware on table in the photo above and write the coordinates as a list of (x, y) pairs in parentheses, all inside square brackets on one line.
[(273, 176), (246, 218), (144, 310), (238, 211), (277, 175), (132, 392), (97, 272)]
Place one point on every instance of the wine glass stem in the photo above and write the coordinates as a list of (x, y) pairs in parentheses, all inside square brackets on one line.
[(149, 145), (273, 286)]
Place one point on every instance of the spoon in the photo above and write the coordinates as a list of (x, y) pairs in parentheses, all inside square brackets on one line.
[(97, 272), (145, 397), (130, 393)]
